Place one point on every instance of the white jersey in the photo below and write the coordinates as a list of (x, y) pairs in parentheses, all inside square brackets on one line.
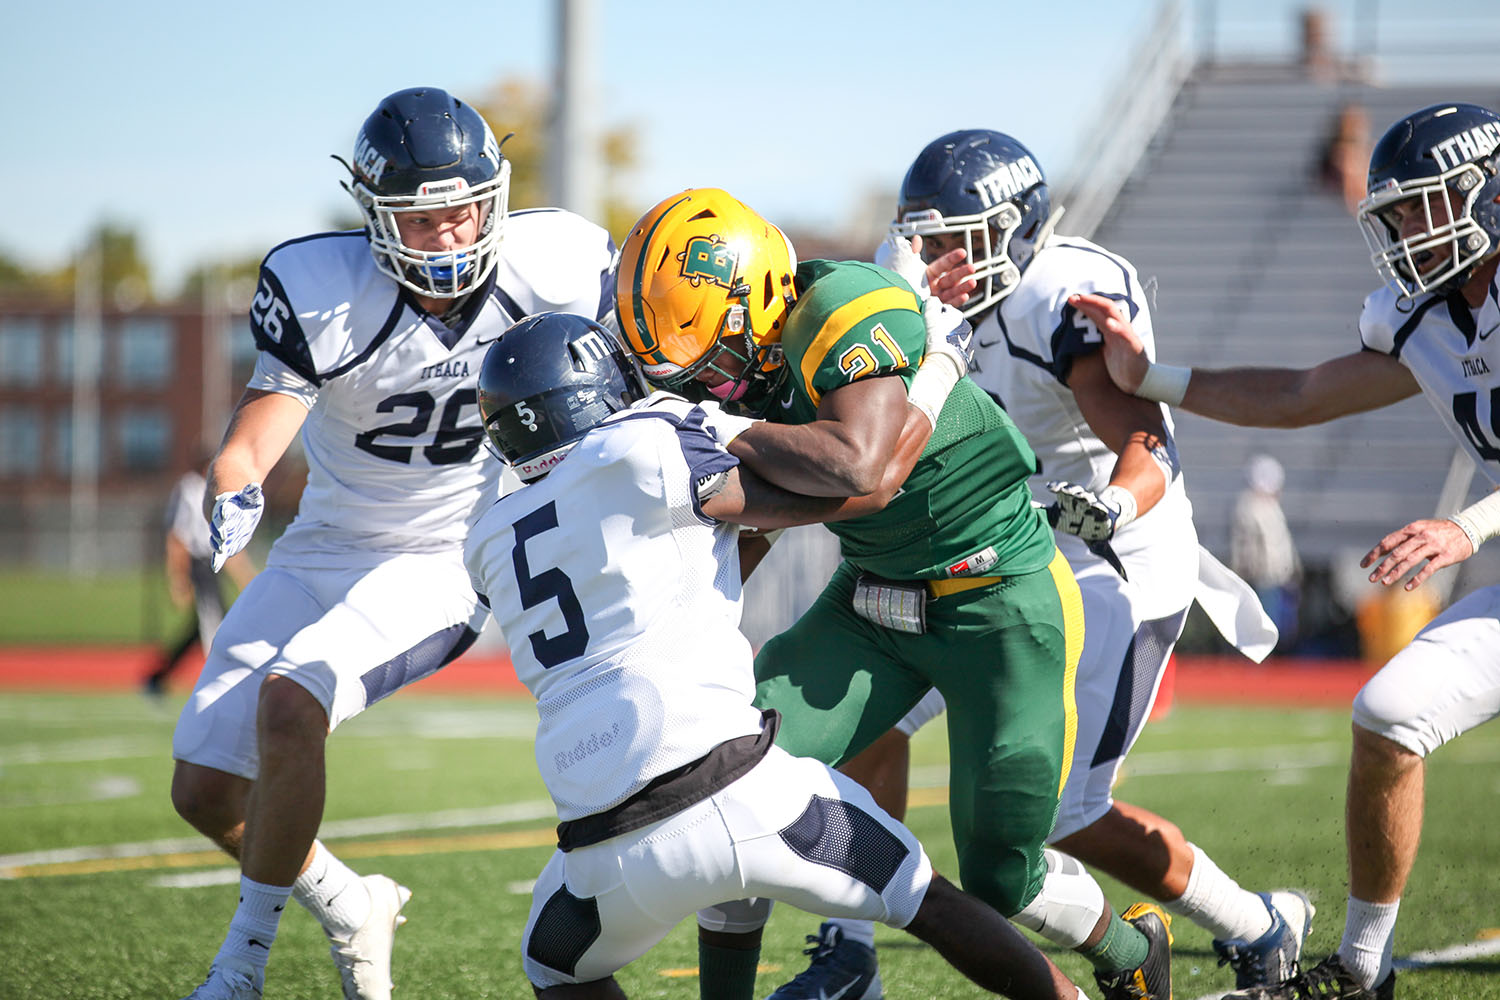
[(621, 609), (1454, 354), (1024, 352), (392, 438)]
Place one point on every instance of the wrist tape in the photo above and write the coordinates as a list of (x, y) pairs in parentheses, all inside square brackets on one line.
[(1480, 520), (931, 384), (1165, 384)]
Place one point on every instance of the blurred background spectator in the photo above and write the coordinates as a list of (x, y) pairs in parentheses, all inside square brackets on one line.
[(1345, 157), (192, 584), (1261, 549)]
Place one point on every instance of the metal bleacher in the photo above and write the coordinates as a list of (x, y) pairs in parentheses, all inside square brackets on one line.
[(1252, 262)]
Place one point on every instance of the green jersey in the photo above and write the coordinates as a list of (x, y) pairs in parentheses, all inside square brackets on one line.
[(965, 510)]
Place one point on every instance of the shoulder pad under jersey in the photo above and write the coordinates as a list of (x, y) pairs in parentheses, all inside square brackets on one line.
[(321, 306), (553, 260)]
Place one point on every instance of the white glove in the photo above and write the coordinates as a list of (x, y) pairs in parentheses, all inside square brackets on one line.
[(233, 522), (723, 427), (895, 254), (948, 334), (1092, 518)]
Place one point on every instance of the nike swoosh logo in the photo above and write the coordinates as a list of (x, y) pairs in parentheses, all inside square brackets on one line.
[(259, 945), (835, 996), (1486, 334), (988, 343), (786, 404)]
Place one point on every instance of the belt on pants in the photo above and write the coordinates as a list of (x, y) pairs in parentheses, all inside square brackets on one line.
[(958, 584)]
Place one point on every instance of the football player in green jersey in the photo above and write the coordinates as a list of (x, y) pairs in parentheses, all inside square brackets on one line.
[(950, 579)]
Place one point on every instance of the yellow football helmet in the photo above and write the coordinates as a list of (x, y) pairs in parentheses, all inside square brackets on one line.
[(703, 280)]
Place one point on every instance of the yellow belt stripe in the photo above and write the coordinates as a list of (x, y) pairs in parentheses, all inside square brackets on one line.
[(959, 584)]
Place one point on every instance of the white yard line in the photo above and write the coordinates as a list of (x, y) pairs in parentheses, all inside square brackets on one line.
[(448, 819)]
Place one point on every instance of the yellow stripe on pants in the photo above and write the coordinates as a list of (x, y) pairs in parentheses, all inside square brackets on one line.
[(1072, 609)]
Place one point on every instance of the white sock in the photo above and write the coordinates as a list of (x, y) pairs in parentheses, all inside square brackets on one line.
[(862, 931), (1215, 902), (253, 929), (333, 893), (1369, 933)]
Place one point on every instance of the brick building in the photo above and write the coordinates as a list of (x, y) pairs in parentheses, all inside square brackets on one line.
[(158, 392)]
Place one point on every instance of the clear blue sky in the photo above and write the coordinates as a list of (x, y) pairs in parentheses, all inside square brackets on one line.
[(208, 127)]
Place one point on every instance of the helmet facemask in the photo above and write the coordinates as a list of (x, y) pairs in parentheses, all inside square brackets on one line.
[(1400, 261), (440, 274), (752, 372), (986, 241)]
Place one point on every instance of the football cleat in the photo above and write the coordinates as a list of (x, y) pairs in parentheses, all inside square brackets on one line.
[(1152, 979), (364, 957), (1272, 957), (840, 970), (1328, 980), (224, 983)]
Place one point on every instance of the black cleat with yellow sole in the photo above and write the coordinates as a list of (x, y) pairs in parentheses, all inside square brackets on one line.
[(1152, 979), (1328, 980)]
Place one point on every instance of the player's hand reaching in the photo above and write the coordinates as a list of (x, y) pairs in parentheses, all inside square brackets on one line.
[(903, 256), (1094, 518), (233, 521), (947, 278), (1124, 354), (949, 334), (950, 278), (1437, 543)]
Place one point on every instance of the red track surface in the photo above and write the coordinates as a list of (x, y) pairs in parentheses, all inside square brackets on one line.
[(1222, 680)]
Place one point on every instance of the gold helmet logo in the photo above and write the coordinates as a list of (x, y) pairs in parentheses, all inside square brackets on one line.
[(708, 259)]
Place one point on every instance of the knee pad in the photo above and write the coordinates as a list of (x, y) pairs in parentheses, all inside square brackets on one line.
[(1069, 906), (740, 916)]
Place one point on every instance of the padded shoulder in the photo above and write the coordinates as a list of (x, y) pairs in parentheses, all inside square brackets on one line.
[(321, 303), (555, 260), (1379, 320)]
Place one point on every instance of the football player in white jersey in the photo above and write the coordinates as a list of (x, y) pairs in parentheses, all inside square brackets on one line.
[(1432, 220), (977, 205), (619, 565), (370, 342)]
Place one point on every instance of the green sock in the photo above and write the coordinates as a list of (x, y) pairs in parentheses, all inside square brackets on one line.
[(728, 973), (1122, 947)]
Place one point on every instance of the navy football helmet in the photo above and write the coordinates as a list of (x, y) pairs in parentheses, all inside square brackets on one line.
[(1431, 215), (546, 382), (988, 188), (424, 150)]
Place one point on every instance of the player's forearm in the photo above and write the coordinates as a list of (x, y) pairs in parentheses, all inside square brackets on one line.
[(1255, 397), (1144, 467), (817, 459), (260, 429)]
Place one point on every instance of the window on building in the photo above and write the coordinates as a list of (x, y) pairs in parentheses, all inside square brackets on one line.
[(20, 350), (145, 440), (62, 351), (241, 345), (145, 351), (59, 454), (20, 440)]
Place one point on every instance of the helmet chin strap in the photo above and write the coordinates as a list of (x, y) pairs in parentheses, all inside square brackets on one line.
[(1045, 233)]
